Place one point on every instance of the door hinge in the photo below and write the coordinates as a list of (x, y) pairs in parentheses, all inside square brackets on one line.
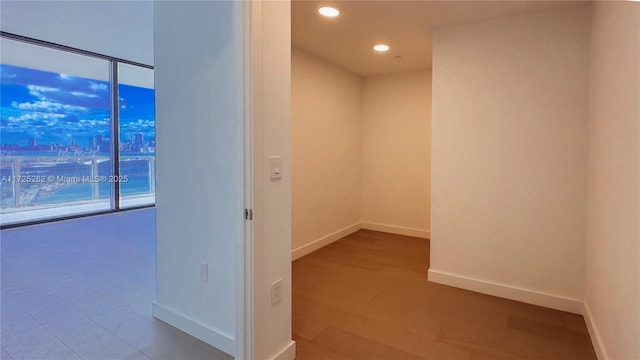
[(248, 214)]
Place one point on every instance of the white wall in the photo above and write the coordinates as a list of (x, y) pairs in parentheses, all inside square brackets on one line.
[(122, 29), (360, 152), (613, 235), (199, 107), (396, 126), (326, 130), (509, 126), (271, 77)]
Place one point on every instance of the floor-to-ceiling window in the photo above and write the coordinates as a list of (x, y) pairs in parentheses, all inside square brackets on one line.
[(77, 132), (137, 135)]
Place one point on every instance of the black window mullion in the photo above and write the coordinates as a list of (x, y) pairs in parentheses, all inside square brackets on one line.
[(115, 137)]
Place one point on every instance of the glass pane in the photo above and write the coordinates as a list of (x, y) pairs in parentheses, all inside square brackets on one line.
[(54, 133), (137, 135)]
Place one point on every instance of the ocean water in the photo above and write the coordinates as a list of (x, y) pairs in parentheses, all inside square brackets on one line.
[(48, 179)]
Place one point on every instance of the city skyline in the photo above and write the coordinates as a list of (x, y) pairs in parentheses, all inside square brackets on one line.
[(136, 144), (137, 138), (58, 108)]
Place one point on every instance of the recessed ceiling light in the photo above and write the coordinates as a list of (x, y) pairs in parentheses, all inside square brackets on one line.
[(329, 11), (381, 48)]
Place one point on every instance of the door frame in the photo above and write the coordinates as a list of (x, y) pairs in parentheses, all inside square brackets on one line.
[(244, 278)]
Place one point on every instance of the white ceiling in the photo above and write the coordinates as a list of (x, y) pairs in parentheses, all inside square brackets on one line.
[(406, 26), (122, 29)]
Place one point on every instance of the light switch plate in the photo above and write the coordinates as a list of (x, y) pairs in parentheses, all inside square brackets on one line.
[(275, 164)]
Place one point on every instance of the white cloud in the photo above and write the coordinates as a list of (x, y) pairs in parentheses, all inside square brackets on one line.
[(82, 94), (99, 87), (65, 76), (47, 105), (38, 91), (94, 122), (41, 88), (36, 116), (146, 127)]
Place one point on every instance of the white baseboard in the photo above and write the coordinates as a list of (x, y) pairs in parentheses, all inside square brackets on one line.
[(399, 230), (324, 241), (288, 353), (508, 292), (195, 328), (596, 340)]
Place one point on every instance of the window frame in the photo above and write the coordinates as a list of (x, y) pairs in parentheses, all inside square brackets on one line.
[(114, 126)]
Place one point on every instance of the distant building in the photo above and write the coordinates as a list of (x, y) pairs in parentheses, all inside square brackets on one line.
[(32, 143), (10, 147), (139, 140), (104, 147)]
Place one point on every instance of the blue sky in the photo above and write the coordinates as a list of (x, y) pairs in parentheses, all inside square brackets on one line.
[(53, 107)]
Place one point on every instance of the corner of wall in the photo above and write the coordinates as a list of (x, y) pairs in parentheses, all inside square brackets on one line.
[(195, 328), (287, 353), (324, 241), (528, 296), (594, 334)]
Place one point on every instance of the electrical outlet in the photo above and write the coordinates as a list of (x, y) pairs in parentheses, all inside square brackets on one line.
[(204, 271), (276, 292)]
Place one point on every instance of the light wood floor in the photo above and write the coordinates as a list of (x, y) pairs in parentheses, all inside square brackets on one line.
[(366, 296)]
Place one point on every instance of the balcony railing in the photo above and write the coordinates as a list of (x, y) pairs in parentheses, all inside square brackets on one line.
[(31, 183)]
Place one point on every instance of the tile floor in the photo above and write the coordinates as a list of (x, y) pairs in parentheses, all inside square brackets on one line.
[(82, 289)]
